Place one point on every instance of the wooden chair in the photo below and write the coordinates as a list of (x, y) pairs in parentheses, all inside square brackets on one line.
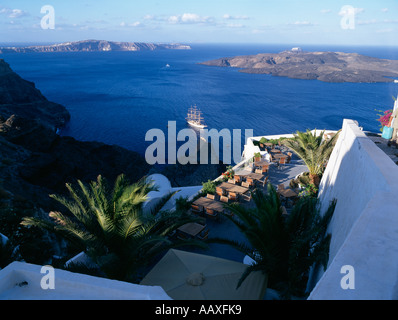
[(258, 171), (220, 191), (203, 235), (211, 213), (224, 199), (211, 196), (281, 163), (246, 196), (231, 181), (232, 196), (250, 182), (196, 209), (280, 187), (237, 179), (246, 184), (263, 182)]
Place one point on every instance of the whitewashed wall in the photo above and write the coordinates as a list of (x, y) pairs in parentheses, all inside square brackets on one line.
[(364, 227)]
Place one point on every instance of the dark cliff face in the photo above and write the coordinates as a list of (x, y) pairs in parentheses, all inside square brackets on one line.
[(35, 161), (18, 96)]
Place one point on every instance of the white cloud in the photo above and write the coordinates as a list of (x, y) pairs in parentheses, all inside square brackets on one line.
[(229, 17), (189, 18), (134, 24), (301, 24), (324, 11), (13, 13), (384, 10)]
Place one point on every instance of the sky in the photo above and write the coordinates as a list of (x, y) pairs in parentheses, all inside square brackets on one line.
[(350, 22)]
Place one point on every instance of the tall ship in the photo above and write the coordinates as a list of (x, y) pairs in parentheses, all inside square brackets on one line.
[(195, 117)]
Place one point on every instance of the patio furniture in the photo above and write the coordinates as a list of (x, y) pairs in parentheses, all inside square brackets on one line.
[(191, 229), (220, 191), (203, 235), (250, 181), (288, 193), (281, 163), (232, 196), (211, 213), (246, 196), (280, 187), (279, 156), (258, 171), (246, 184), (231, 181), (195, 209), (233, 188), (211, 196), (224, 199), (263, 182)]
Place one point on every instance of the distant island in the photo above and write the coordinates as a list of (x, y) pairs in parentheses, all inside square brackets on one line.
[(323, 66), (95, 46)]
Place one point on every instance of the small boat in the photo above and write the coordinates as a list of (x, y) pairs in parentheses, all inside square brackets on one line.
[(195, 118), (167, 66), (395, 81)]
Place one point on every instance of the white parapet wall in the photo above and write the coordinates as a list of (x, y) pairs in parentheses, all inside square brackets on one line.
[(363, 257), (24, 281)]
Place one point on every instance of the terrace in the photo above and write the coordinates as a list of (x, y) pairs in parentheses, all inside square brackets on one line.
[(221, 226)]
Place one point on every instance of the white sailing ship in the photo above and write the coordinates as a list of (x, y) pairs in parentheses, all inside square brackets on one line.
[(195, 118)]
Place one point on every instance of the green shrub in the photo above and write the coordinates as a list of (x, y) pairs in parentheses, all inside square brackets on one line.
[(183, 204), (209, 187)]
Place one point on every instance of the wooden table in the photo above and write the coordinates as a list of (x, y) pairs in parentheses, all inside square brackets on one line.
[(192, 229), (287, 193), (209, 203), (279, 155), (253, 175), (275, 151), (229, 187), (262, 164)]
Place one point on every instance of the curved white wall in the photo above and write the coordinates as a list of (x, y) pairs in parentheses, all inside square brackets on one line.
[(364, 227)]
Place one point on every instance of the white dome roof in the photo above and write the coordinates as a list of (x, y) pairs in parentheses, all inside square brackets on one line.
[(162, 184)]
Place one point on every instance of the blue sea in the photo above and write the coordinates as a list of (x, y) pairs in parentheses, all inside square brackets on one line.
[(116, 97)]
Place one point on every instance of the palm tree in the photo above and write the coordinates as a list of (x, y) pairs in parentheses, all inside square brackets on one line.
[(313, 150), (111, 227), (283, 247)]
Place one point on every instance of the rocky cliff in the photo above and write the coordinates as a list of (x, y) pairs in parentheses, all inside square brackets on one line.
[(96, 45), (323, 66), (28, 123)]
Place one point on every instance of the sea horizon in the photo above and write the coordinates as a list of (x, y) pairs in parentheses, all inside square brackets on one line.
[(116, 97)]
